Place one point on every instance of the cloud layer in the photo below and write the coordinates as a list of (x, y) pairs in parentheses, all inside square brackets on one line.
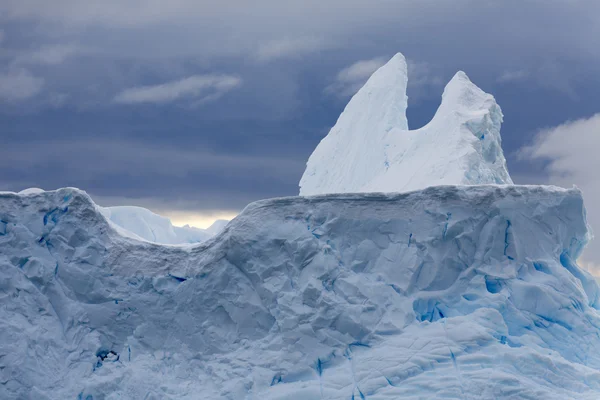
[(18, 84)]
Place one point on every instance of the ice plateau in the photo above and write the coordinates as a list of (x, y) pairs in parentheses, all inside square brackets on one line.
[(465, 292), (371, 149)]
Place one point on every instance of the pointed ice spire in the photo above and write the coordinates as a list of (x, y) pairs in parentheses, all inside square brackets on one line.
[(384, 95), (370, 148), (376, 109), (471, 110)]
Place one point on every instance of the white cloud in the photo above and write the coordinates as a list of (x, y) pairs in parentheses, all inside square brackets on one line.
[(571, 151), (290, 48), (513, 76), (350, 79), (204, 87), (360, 70), (47, 55), (18, 85)]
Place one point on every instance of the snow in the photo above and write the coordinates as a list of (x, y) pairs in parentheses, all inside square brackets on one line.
[(31, 191), (447, 292), (370, 148)]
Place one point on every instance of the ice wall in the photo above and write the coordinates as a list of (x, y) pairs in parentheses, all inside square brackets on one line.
[(436, 293)]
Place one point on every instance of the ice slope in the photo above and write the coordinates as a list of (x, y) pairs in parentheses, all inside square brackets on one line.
[(152, 227), (370, 148), (449, 292), (217, 226)]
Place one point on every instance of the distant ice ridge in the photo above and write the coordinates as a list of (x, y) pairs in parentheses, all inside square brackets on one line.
[(141, 223), (152, 227), (449, 292), (370, 148)]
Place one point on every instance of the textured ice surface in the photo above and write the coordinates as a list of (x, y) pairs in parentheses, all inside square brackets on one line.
[(152, 227), (141, 223), (370, 148), (450, 292)]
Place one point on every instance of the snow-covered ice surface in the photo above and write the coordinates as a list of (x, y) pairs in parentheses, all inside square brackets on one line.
[(450, 292), (370, 148), (152, 227)]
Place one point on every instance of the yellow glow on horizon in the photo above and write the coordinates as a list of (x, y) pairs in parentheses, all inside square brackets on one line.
[(197, 220)]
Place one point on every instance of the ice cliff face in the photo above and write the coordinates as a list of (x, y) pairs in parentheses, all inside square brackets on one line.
[(449, 292), (370, 148)]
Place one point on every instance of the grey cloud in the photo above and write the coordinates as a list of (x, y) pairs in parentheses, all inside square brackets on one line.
[(513, 75), (424, 81), (92, 157), (290, 48), (141, 12), (422, 73), (184, 177), (548, 74), (183, 33), (18, 84), (47, 55)]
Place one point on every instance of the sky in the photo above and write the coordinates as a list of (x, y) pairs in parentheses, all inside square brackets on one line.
[(195, 108)]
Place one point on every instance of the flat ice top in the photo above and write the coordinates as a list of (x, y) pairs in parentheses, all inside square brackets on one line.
[(370, 148), (449, 292)]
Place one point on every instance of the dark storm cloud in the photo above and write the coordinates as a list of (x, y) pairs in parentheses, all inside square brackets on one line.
[(64, 64)]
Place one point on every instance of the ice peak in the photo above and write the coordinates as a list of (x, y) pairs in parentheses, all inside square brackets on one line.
[(459, 83), (398, 61), (370, 148), (462, 94), (384, 96)]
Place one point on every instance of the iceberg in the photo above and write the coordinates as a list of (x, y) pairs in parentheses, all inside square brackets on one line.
[(371, 149), (446, 292), (455, 283)]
